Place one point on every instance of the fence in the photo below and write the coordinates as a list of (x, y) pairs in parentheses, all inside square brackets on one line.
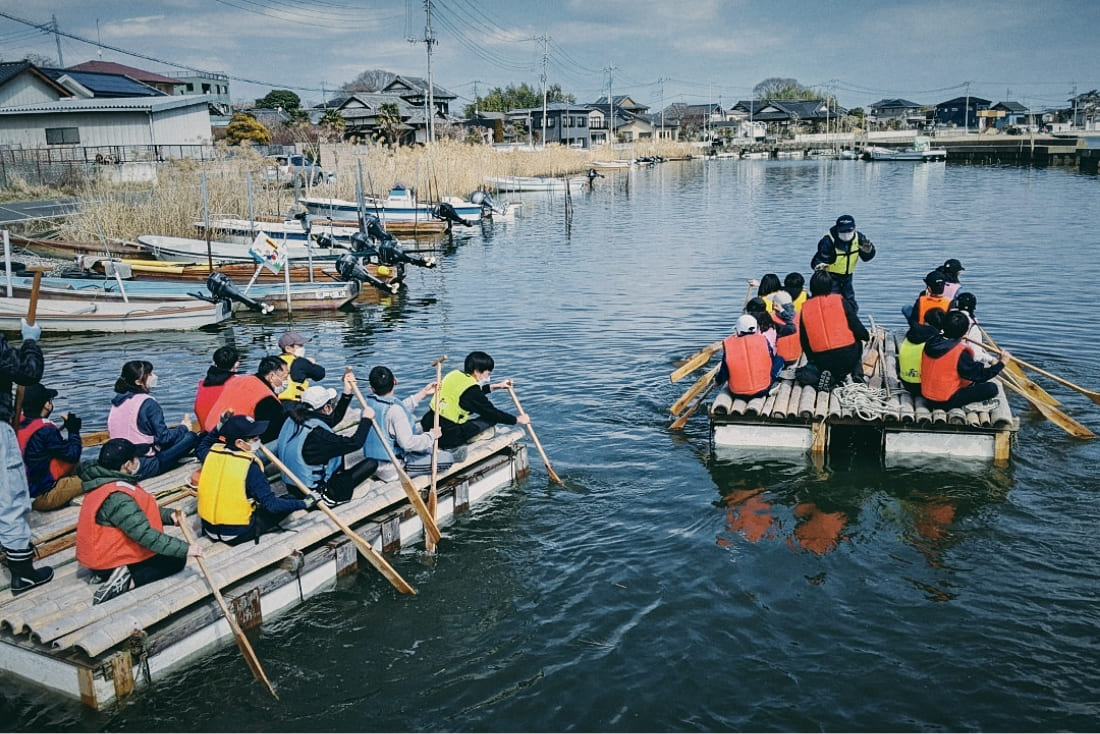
[(63, 167)]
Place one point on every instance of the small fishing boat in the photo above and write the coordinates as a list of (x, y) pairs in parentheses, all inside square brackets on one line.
[(920, 152), (66, 317), (617, 163), (163, 247), (401, 205), (531, 183), (67, 249)]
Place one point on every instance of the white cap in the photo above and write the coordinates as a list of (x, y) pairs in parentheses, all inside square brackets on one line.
[(317, 397), (782, 298), (746, 324)]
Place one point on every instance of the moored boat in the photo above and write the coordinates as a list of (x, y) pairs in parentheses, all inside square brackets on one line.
[(920, 152), (163, 247), (61, 316), (531, 183), (400, 205)]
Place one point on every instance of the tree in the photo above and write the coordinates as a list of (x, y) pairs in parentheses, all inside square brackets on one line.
[(782, 88), (370, 81), (244, 127), (276, 98), (389, 122), (521, 97), (333, 122)]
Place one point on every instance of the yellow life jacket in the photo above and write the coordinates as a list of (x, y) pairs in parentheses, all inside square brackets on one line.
[(291, 390), (799, 301), (909, 357), (222, 496), (845, 261), (454, 384)]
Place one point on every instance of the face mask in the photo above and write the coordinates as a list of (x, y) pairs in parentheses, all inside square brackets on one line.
[(254, 446), (299, 351), (151, 381), (846, 236)]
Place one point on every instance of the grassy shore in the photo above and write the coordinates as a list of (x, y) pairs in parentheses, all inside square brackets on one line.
[(175, 202)]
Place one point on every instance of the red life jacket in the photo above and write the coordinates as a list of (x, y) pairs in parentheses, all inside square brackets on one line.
[(749, 361), (58, 468), (926, 303), (939, 377), (825, 323), (101, 548), (241, 398), (205, 398), (789, 347)]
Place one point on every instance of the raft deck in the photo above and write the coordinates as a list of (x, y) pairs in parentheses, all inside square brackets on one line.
[(53, 637), (799, 418)]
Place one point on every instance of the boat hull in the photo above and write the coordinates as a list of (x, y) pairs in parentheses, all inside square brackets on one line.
[(101, 316)]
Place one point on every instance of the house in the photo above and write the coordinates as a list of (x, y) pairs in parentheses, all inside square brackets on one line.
[(88, 84), (1084, 110), (164, 84), (896, 113), (493, 127), (779, 115), (625, 117), (364, 117), (21, 82), (96, 122), (1007, 115), (213, 85), (960, 112), (566, 124)]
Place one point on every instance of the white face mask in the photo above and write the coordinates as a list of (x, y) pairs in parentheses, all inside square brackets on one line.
[(299, 351), (151, 381), (846, 236), (254, 446)]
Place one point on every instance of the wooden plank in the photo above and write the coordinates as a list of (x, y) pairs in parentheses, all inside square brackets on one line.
[(722, 403), (782, 398), (821, 407), (820, 433), (939, 417), (807, 402), (957, 416)]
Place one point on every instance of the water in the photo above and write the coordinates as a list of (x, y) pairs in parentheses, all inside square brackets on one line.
[(664, 588)]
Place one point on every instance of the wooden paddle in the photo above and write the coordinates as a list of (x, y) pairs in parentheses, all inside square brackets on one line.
[(1091, 395), (531, 429), (701, 384), (1024, 381), (431, 530), (32, 311), (372, 556), (238, 633), (1049, 412), (703, 356), (682, 420), (433, 496)]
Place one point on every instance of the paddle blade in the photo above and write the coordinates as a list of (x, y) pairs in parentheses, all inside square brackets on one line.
[(694, 362), (1054, 415)]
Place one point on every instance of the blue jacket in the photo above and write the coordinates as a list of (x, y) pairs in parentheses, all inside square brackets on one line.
[(150, 421), (44, 445)]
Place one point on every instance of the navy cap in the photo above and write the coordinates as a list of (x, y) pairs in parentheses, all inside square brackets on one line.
[(845, 223), (115, 453), (953, 266), (241, 426)]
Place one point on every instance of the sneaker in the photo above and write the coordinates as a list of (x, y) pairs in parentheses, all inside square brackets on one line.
[(27, 580), (825, 382), (119, 583), (982, 406), (787, 374), (332, 502)]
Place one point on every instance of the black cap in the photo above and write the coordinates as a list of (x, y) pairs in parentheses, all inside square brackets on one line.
[(953, 266), (845, 223), (115, 453), (35, 398), (241, 426), (934, 277)]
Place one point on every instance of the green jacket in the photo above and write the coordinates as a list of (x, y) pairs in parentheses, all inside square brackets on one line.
[(120, 511)]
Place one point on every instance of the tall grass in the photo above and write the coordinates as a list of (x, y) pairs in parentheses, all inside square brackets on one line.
[(175, 202)]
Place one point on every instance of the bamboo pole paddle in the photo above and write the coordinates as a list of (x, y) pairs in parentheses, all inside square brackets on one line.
[(433, 494), (431, 530), (1024, 381), (1090, 394), (534, 438), (32, 311), (701, 384), (682, 420), (372, 556), (238, 633), (703, 356), (1049, 412)]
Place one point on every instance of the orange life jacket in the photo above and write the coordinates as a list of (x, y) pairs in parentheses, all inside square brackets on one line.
[(206, 396), (241, 397), (58, 468), (825, 324), (939, 377), (749, 361), (101, 548), (789, 347), (927, 302)]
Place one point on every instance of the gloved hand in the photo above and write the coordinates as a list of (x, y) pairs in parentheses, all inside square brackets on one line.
[(30, 331), (72, 423), (312, 500), (864, 246), (820, 266)]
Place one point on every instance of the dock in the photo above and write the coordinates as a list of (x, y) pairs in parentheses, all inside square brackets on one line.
[(53, 637), (799, 418)]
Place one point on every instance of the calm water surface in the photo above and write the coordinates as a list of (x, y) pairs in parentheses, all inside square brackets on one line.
[(665, 588)]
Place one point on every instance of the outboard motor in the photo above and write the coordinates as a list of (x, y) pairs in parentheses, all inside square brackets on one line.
[(390, 253), (349, 268), (222, 287), (447, 213), (325, 240), (361, 245), (377, 231), (593, 174), (488, 206)]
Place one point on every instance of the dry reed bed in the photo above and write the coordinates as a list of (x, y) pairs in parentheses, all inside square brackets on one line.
[(175, 202)]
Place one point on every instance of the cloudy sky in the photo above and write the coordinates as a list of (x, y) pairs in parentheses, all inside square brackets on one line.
[(694, 51)]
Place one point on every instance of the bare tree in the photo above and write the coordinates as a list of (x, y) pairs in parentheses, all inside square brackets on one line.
[(370, 81)]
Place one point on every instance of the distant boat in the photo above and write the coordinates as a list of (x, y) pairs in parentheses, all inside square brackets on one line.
[(164, 247), (400, 206), (617, 163), (67, 249), (530, 183), (63, 317), (921, 152)]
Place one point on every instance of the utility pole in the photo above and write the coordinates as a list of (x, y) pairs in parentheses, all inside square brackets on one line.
[(545, 59), (57, 37), (429, 98), (966, 112), (475, 98), (661, 81), (1072, 124), (610, 105)]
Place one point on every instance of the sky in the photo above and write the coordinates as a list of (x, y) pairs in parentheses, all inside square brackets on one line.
[(657, 51)]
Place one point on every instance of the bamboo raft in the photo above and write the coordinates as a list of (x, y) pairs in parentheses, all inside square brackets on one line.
[(799, 418), (53, 637)]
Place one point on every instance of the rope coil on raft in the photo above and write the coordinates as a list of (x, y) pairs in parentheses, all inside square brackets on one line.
[(869, 403)]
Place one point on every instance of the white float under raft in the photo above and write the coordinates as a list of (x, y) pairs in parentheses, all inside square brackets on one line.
[(799, 418), (53, 637)]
